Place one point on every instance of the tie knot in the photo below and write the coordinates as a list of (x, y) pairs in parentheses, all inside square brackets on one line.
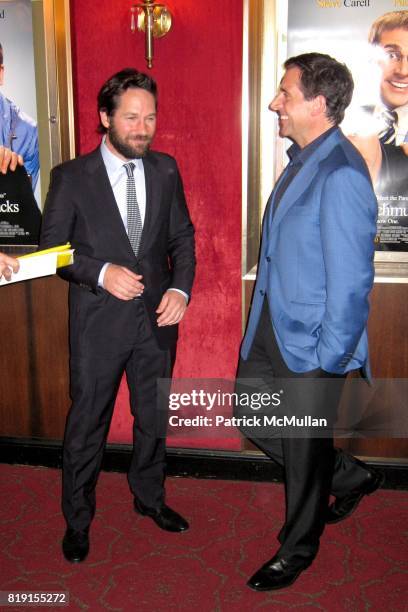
[(391, 117), (129, 167)]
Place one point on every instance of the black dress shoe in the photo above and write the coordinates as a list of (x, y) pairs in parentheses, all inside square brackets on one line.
[(342, 507), (75, 545), (164, 517), (278, 573)]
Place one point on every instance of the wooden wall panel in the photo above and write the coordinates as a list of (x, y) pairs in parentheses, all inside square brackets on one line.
[(34, 378), (34, 359), (388, 335)]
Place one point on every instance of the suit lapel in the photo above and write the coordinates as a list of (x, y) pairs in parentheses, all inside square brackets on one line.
[(304, 177), (101, 192), (153, 199)]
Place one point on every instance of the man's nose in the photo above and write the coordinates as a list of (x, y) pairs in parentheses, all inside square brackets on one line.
[(402, 67), (276, 103), (139, 125)]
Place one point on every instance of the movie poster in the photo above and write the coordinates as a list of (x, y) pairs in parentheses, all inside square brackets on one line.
[(19, 212), (375, 48)]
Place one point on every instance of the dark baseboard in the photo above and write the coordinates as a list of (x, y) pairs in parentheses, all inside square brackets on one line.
[(181, 462)]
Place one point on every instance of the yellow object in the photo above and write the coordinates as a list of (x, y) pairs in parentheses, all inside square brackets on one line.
[(64, 257)]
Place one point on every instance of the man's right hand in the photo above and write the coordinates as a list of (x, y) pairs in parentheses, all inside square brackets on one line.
[(9, 160), (122, 283)]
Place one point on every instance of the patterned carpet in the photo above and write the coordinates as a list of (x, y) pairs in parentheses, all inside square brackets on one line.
[(134, 566)]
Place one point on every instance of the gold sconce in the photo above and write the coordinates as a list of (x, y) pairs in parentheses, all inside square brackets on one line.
[(152, 19)]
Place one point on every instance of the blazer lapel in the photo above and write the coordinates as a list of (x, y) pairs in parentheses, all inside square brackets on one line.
[(153, 199), (102, 193), (305, 176)]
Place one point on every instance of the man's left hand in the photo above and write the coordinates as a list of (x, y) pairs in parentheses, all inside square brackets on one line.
[(171, 308), (9, 160)]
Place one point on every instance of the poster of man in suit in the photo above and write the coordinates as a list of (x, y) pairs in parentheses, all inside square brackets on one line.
[(19, 211), (372, 39)]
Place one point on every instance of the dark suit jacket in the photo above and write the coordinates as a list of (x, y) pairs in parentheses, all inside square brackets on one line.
[(81, 208)]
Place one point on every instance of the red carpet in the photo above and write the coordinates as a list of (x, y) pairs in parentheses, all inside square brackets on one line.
[(133, 566)]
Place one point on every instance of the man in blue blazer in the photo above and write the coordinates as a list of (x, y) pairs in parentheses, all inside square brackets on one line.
[(307, 325)]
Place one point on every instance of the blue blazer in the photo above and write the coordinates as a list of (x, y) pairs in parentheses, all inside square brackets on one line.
[(316, 262)]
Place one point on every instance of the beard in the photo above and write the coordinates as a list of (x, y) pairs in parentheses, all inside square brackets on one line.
[(131, 147)]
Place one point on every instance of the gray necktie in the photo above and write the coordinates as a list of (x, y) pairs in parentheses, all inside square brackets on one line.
[(388, 133), (134, 220)]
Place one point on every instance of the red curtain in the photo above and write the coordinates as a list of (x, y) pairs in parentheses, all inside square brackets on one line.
[(198, 68)]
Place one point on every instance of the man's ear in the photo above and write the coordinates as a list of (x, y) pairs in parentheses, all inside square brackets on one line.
[(104, 118), (1, 74), (319, 106)]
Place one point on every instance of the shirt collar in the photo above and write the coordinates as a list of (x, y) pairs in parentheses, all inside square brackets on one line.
[(299, 156), (402, 111), (114, 163)]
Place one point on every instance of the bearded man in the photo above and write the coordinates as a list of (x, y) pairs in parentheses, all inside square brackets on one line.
[(123, 209)]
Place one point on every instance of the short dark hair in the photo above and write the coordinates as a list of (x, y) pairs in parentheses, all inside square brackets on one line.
[(388, 21), (117, 84), (1, 55), (322, 75)]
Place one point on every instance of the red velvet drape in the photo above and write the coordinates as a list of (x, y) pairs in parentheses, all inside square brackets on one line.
[(198, 67)]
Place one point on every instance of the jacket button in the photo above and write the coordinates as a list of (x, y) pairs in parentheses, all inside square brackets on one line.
[(268, 259), (262, 292)]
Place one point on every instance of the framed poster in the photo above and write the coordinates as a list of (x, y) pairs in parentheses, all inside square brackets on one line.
[(376, 53), (35, 107), (371, 38)]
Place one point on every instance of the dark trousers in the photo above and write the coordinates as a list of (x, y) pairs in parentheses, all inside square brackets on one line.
[(96, 372), (313, 468)]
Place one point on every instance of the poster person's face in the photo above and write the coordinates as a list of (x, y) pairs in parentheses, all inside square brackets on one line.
[(394, 66), (293, 110), (132, 126)]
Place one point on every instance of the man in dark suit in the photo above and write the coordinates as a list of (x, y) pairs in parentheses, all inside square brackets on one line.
[(122, 207), (307, 325)]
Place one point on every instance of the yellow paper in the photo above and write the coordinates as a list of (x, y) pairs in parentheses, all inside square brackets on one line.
[(64, 254), (56, 249), (41, 263)]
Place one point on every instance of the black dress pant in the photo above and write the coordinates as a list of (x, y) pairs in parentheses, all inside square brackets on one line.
[(98, 362), (313, 468)]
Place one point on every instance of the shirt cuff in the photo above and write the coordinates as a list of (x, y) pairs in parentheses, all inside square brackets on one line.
[(101, 276), (182, 293)]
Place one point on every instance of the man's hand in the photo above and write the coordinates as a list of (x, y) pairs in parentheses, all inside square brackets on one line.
[(122, 283), (9, 160), (171, 308), (8, 265)]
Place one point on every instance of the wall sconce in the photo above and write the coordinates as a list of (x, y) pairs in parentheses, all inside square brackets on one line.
[(152, 19)]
